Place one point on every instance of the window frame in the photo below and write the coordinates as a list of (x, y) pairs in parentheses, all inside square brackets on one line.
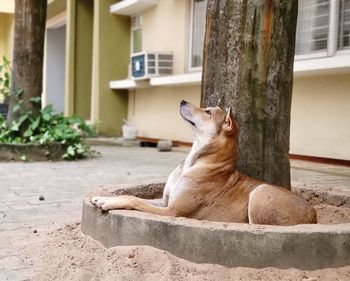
[(191, 68), (332, 42), (132, 29), (343, 48)]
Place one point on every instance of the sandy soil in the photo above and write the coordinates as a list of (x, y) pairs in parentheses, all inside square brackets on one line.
[(67, 254), (328, 214)]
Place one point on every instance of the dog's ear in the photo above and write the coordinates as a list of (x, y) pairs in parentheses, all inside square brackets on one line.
[(228, 123)]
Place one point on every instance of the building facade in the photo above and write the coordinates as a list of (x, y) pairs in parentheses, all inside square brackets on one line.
[(320, 123), (89, 70)]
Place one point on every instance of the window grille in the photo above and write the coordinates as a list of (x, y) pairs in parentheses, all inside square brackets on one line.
[(323, 27), (312, 26), (344, 25)]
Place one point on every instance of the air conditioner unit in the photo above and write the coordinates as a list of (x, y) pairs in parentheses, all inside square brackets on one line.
[(145, 65)]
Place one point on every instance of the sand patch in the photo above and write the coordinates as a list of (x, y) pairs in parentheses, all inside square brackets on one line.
[(67, 254)]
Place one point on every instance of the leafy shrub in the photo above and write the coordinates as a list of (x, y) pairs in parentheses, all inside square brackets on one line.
[(45, 128), (4, 78)]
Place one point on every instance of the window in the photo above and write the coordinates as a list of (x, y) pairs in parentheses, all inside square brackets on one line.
[(344, 25), (312, 27), (136, 34), (198, 17), (323, 28)]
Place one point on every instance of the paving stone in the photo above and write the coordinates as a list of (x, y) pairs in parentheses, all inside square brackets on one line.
[(16, 275), (12, 262)]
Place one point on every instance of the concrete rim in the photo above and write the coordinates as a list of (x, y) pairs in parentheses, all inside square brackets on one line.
[(228, 244)]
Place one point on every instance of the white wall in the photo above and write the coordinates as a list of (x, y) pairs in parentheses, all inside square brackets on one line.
[(55, 67)]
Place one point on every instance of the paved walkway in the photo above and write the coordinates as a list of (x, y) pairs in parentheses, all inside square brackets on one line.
[(62, 184)]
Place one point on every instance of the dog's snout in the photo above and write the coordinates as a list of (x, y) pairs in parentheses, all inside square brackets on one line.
[(183, 102)]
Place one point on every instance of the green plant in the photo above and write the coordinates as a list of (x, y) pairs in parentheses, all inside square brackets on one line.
[(4, 78), (46, 127)]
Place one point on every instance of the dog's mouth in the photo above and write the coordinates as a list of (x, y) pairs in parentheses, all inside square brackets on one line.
[(185, 113), (189, 121)]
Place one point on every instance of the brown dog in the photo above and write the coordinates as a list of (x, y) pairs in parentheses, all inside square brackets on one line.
[(206, 185)]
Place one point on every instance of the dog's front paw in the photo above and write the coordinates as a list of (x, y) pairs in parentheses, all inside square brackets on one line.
[(98, 201), (112, 203)]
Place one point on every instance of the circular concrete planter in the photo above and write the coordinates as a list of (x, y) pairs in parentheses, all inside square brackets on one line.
[(32, 152), (229, 244)]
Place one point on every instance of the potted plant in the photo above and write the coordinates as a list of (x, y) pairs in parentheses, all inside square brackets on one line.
[(4, 86)]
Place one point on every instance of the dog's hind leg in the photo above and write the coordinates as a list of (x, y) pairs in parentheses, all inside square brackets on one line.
[(277, 206)]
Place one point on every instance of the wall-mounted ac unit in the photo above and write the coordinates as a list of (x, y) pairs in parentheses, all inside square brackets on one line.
[(145, 65)]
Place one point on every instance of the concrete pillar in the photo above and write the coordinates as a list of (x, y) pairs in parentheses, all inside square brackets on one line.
[(80, 15), (70, 58), (111, 51)]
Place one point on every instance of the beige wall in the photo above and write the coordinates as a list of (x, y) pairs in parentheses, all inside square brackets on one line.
[(320, 123), (6, 35), (165, 29), (321, 116), (56, 7), (155, 111)]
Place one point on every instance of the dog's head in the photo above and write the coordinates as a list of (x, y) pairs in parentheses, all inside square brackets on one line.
[(209, 122)]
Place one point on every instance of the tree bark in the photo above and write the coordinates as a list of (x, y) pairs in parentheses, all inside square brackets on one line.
[(248, 66), (28, 55)]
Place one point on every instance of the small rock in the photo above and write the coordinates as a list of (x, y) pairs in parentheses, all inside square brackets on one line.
[(131, 256), (41, 198), (164, 145), (35, 231)]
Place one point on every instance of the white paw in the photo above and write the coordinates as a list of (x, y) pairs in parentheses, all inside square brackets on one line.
[(98, 201), (110, 203)]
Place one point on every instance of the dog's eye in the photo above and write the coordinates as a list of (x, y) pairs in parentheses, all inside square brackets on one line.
[(208, 112)]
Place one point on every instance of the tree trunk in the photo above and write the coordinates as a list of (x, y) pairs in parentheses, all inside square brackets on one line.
[(28, 54), (248, 66)]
